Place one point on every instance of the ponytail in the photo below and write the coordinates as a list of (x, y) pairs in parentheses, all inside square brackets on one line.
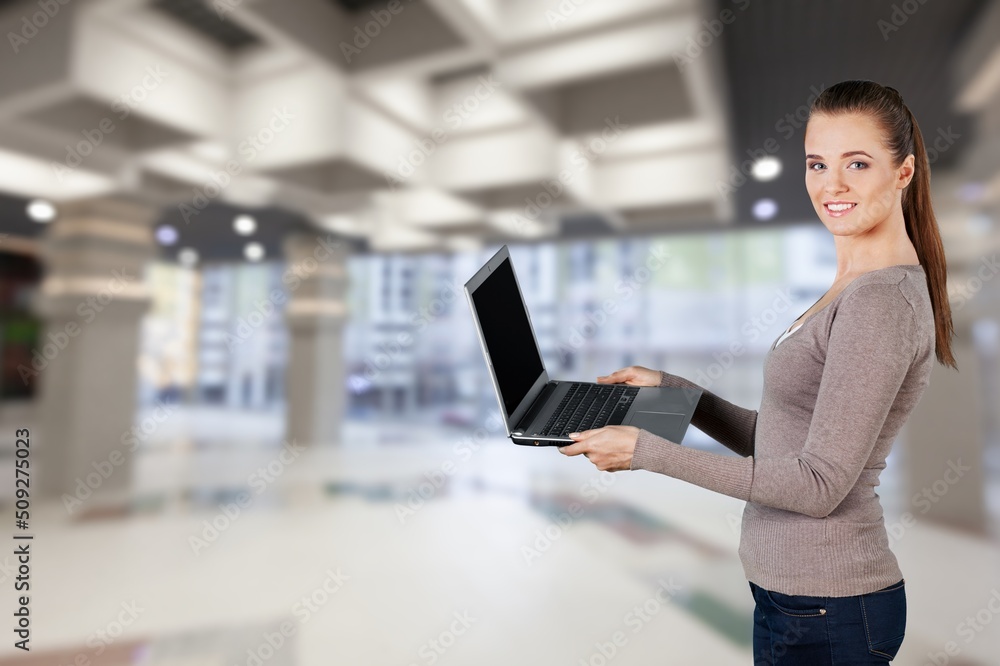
[(922, 228)]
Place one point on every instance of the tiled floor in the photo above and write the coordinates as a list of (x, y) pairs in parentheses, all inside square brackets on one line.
[(430, 554)]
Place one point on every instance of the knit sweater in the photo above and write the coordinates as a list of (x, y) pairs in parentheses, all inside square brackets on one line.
[(836, 394)]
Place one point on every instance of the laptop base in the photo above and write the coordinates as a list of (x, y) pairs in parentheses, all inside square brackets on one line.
[(663, 411)]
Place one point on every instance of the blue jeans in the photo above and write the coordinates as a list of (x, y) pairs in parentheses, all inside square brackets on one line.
[(794, 630)]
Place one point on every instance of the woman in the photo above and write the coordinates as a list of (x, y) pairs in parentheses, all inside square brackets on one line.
[(838, 385)]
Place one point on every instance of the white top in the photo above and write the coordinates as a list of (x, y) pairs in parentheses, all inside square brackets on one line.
[(788, 332)]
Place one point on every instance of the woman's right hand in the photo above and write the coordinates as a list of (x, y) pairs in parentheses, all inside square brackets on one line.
[(633, 375)]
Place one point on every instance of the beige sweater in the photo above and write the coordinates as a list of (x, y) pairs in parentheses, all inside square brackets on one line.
[(836, 393)]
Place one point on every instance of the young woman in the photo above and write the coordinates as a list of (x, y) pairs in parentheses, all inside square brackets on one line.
[(838, 385)]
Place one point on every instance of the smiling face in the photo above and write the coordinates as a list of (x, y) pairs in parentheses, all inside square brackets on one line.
[(850, 175)]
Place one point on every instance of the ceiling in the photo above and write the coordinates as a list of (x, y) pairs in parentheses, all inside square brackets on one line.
[(561, 84), (199, 16)]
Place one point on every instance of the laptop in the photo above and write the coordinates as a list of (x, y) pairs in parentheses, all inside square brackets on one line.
[(537, 410)]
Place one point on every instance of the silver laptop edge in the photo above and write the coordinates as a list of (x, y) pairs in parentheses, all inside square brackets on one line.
[(522, 408)]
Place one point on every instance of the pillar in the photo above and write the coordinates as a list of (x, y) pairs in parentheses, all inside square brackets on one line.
[(944, 443), (92, 300), (316, 379)]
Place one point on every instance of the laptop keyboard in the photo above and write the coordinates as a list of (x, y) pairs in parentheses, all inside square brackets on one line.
[(588, 406)]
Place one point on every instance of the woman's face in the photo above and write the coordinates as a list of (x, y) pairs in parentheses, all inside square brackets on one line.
[(850, 175)]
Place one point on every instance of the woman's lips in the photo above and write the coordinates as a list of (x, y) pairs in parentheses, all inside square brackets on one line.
[(839, 209)]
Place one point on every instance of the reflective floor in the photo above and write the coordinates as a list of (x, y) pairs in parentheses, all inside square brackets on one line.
[(459, 551)]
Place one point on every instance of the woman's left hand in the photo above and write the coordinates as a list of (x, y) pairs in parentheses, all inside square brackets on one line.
[(610, 448)]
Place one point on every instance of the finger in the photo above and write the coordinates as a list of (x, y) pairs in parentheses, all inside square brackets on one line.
[(574, 449), (615, 377), (586, 434)]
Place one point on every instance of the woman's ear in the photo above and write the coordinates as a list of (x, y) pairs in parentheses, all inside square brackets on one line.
[(905, 172)]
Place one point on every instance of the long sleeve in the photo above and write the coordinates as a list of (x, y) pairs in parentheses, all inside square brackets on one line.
[(730, 425), (871, 346)]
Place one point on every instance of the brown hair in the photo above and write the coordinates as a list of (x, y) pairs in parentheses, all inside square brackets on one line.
[(902, 137)]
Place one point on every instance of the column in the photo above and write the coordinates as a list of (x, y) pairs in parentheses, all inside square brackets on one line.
[(944, 442), (92, 300), (316, 379)]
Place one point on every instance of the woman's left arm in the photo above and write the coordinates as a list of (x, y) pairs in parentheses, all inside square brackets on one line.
[(871, 347)]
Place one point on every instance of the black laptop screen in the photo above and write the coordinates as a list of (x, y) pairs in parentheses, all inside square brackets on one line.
[(507, 332)]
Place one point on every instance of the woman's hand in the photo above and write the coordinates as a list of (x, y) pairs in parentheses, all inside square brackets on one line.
[(610, 448), (633, 375)]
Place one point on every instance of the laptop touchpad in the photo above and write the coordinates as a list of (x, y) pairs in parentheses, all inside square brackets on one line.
[(658, 423)]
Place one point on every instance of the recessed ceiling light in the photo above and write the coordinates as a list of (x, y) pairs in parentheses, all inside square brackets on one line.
[(971, 192), (245, 225), (41, 211), (766, 168), (765, 209), (166, 235), (188, 256), (253, 251), (343, 223)]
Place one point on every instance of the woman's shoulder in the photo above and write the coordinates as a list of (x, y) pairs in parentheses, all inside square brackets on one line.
[(901, 286), (894, 300)]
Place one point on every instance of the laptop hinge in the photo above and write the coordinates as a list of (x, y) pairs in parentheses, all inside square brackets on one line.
[(536, 406)]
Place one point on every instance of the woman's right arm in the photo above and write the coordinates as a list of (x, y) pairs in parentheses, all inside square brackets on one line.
[(730, 425)]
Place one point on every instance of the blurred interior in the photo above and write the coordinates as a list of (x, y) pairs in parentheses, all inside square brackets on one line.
[(233, 240)]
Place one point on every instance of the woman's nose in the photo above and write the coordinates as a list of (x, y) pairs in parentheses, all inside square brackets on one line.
[(835, 184)]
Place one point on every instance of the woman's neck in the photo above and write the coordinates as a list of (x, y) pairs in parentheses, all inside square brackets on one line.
[(885, 244)]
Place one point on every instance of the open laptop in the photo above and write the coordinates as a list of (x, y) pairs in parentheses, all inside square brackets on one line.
[(539, 411)]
